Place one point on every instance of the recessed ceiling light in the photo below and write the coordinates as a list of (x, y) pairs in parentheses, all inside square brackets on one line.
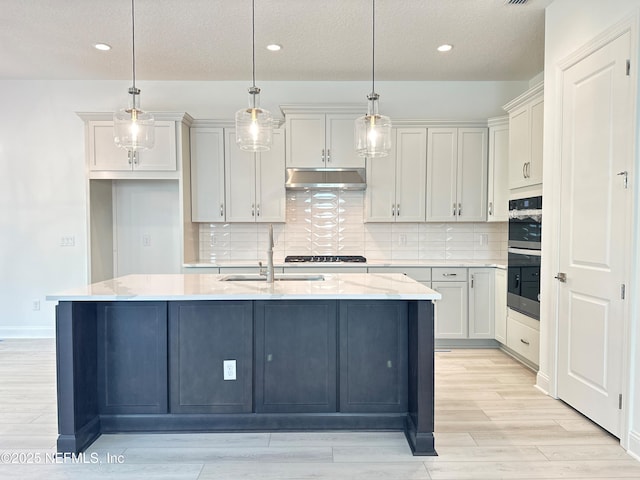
[(445, 48), (102, 46), (274, 47)]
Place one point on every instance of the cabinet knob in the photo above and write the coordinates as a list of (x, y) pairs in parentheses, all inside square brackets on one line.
[(269, 357), (253, 210), (454, 209), (393, 210), (328, 154), (524, 341), (490, 208), (459, 209), (322, 157), (398, 210), (222, 209), (389, 364), (258, 209), (524, 170)]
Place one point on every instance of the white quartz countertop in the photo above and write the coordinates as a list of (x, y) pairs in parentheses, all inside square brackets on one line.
[(343, 286), (368, 263)]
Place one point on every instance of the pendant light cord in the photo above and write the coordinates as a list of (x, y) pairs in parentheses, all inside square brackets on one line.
[(373, 49), (133, 43), (253, 40)]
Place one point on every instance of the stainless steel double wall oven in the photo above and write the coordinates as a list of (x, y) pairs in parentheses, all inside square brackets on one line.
[(523, 270)]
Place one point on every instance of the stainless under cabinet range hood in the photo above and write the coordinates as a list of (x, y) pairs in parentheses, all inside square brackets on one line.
[(338, 178)]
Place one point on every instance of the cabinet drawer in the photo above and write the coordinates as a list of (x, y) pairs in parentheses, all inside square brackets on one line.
[(449, 274), (523, 340), (420, 274)]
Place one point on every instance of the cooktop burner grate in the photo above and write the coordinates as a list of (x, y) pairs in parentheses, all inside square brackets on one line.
[(325, 258)]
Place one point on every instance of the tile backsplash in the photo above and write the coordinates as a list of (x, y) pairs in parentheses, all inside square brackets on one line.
[(330, 222)]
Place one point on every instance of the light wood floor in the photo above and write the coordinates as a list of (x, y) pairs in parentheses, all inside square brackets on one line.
[(491, 423)]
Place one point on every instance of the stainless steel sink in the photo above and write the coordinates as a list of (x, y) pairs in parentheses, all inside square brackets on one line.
[(252, 277)]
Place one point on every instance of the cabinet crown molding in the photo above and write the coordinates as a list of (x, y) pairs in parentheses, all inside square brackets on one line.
[(356, 108), (530, 94), (171, 116), (408, 122)]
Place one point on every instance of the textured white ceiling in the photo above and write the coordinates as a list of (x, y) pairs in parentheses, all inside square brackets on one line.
[(322, 39)]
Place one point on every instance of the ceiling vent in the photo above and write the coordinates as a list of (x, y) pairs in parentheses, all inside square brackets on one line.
[(516, 2)]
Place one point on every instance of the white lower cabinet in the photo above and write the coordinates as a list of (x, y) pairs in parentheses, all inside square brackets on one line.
[(452, 311), (523, 336), (481, 303)]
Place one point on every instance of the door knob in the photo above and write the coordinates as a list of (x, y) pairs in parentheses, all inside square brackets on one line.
[(562, 277)]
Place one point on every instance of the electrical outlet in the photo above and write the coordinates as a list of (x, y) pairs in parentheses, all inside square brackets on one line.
[(67, 241), (402, 239), (484, 238), (146, 240), (229, 369), (35, 305)]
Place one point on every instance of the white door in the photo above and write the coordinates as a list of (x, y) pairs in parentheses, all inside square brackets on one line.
[(595, 211), (240, 181), (411, 172), (305, 140), (270, 193), (380, 195), (442, 168), (340, 142), (472, 174), (451, 313)]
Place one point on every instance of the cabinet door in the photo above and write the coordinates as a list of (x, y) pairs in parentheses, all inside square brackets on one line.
[(373, 356), (295, 351), (501, 305), (340, 142), (472, 174), (451, 312), (380, 196), (240, 181), (498, 183), (442, 158), (537, 117), (163, 155), (481, 303), (519, 147), (207, 174), (270, 191), (132, 357), (305, 140), (411, 170), (202, 335), (104, 155)]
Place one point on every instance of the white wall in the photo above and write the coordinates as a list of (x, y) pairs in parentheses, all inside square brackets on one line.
[(570, 24), (42, 180)]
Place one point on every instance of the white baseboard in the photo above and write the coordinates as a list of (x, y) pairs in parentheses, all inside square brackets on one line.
[(26, 332), (634, 445), (542, 383)]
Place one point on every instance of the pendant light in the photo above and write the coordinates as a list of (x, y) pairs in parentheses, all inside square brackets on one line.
[(373, 131), (254, 125), (133, 128)]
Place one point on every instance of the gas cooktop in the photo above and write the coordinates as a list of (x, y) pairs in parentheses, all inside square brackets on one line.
[(324, 258)]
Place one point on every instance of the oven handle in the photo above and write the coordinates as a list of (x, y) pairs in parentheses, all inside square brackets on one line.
[(524, 251)]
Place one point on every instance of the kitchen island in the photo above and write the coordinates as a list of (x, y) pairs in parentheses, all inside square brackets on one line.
[(207, 353)]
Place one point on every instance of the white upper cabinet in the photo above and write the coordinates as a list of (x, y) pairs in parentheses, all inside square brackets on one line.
[(207, 174), (321, 140), (105, 156), (254, 182), (498, 186), (457, 174), (396, 183), (525, 138)]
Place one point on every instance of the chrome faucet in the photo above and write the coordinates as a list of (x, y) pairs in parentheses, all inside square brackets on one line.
[(269, 270)]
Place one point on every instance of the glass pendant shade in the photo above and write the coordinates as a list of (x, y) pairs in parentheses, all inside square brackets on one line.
[(254, 125), (134, 128), (373, 132)]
